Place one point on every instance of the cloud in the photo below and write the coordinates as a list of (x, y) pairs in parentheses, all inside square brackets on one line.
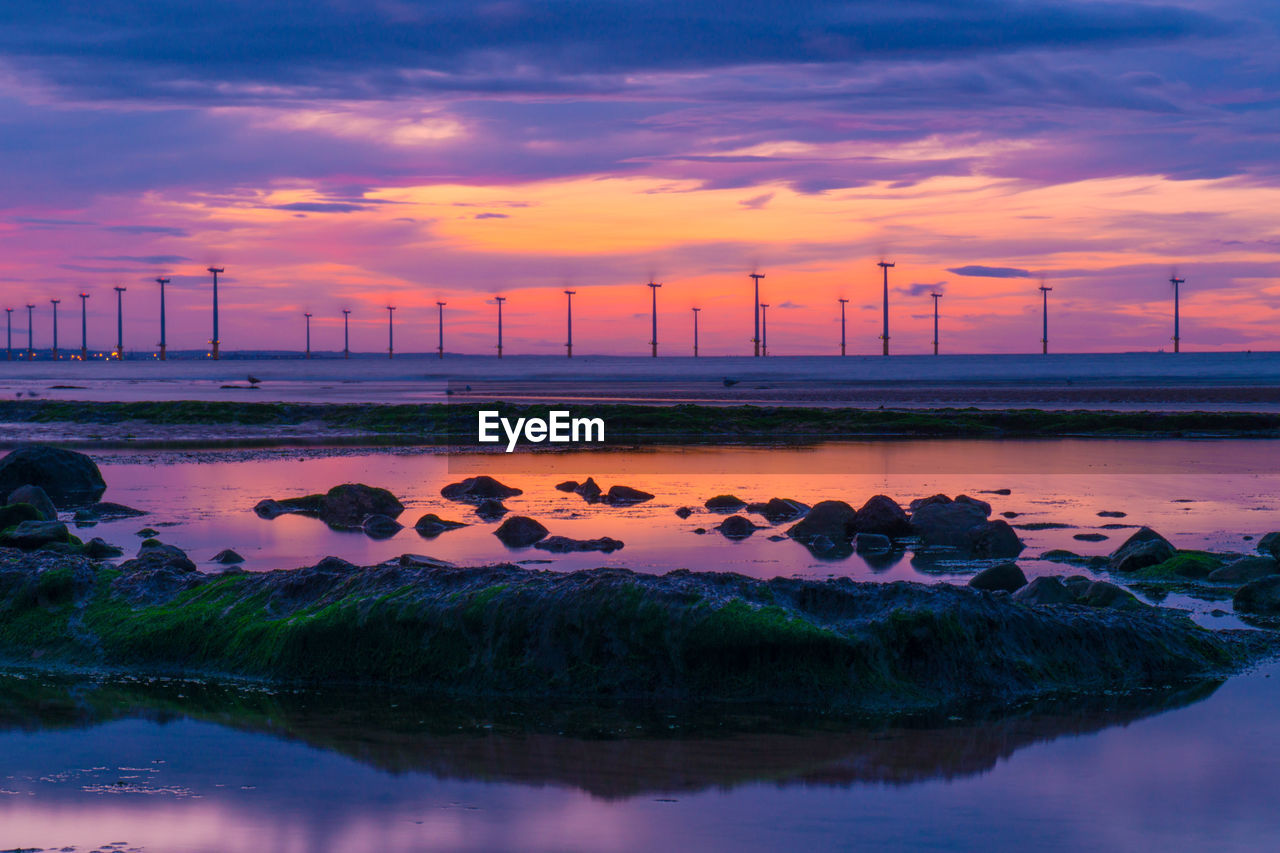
[(167, 230), (757, 202), (321, 207), (922, 288), (492, 216), (990, 272), (144, 259)]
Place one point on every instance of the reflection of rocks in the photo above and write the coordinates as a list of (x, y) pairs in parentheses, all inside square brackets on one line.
[(69, 478)]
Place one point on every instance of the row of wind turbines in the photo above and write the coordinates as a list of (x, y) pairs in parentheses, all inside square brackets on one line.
[(759, 340)]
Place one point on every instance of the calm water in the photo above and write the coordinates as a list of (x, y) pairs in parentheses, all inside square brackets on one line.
[(184, 767), (1201, 494)]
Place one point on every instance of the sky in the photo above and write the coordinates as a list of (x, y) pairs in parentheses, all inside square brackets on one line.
[(356, 154)]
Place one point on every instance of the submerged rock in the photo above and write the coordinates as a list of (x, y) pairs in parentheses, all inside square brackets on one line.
[(832, 520), (589, 490), (476, 489), (520, 531), (871, 543), (1090, 537), (564, 545), (567, 486), (1005, 576), (67, 477), (684, 512), (882, 515), (36, 497), (106, 511), (626, 496), (491, 510), (432, 525), (736, 527), (725, 503), (227, 556)]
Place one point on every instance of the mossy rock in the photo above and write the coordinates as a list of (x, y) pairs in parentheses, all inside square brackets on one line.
[(1185, 565)]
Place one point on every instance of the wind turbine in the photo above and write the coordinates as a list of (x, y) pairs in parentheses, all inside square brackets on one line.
[(884, 267), (346, 333), (695, 331), (391, 343), (500, 300), (842, 302), (440, 310), (1044, 340), (936, 296), (569, 342), (54, 303), (84, 328), (653, 288), (31, 350), (120, 322), (215, 342), (764, 329), (8, 336), (162, 282), (1177, 337), (307, 314), (756, 276)]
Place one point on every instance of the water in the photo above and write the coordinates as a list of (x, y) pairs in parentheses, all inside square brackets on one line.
[(1200, 494), (192, 767)]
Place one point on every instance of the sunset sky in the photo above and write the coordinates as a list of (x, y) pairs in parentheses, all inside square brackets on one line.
[(356, 153)]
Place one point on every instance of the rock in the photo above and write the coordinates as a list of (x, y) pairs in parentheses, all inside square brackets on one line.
[(929, 501), (1010, 514), (491, 510), (567, 486), (589, 490), (1077, 584), (947, 524), (1245, 569), (13, 514), (158, 553), (824, 546), (420, 561), (432, 525), (146, 532), (1090, 537), (476, 489), (833, 520), (1142, 534), (1110, 513), (36, 497), (872, 543), (1045, 590), (563, 544), (736, 527), (882, 515), (777, 510), (227, 556), (725, 503), (520, 532), (269, 509), (348, 505), (98, 549), (1005, 576), (67, 477), (1270, 544), (1260, 597), (701, 531), (379, 526), (626, 496), (974, 502), (1138, 553), (107, 511), (29, 535), (996, 492), (994, 539), (1106, 594), (684, 512)]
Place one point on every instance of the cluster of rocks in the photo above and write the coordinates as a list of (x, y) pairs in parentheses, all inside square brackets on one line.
[(618, 495), (1008, 578)]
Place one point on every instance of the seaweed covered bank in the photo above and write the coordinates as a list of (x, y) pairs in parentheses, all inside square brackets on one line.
[(508, 631)]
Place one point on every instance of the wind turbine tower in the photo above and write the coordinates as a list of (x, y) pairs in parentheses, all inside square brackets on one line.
[(54, 303), (842, 302), (391, 342), (440, 312), (346, 333), (884, 267), (8, 333), (307, 314), (695, 331), (764, 329), (215, 342), (756, 276), (500, 300), (1177, 336), (1044, 340), (569, 341), (163, 341), (84, 328), (120, 322), (31, 350), (653, 288), (936, 296)]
